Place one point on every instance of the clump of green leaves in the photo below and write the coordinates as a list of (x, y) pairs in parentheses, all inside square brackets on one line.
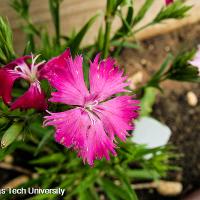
[(22, 7), (181, 70), (176, 10), (176, 68), (54, 6), (173, 68), (143, 10), (7, 52)]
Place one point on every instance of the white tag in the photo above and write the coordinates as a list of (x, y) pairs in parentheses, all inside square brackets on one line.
[(151, 132)]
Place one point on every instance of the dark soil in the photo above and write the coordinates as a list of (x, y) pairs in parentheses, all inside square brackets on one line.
[(172, 107)]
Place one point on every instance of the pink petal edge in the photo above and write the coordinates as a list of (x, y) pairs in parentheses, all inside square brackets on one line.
[(33, 98)]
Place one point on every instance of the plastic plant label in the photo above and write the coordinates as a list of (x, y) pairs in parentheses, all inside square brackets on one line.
[(151, 132)]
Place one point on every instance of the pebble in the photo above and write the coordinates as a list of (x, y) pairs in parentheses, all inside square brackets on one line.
[(8, 159), (151, 47), (143, 62), (169, 188), (136, 79), (167, 49), (192, 98)]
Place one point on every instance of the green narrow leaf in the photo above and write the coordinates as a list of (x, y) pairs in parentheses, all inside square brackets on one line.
[(10, 149), (126, 183), (54, 6), (142, 174), (131, 45), (7, 52), (100, 39), (176, 10), (127, 24), (74, 44), (113, 191), (43, 197), (181, 70), (11, 134), (94, 193), (47, 50), (27, 49), (190, 74), (44, 140), (127, 3), (164, 65), (21, 6), (183, 58), (53, 158), (143, 10), (87, 181), (85, 195), (3, 120)]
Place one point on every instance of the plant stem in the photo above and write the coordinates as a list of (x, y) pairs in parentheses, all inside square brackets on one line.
[(30, 39), (106, 45), (142, 186), (143, 27), (8, 166), (54, 8), (57, 25), (108, 19)]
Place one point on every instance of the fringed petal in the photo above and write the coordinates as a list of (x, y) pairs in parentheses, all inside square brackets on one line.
[(98, 144), (7, 79), (106, 79), (117, 115), (16, 62), (56, 63), (33, 98), (69, 82), (75, 129)]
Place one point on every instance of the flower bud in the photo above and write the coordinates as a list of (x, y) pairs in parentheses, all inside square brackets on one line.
[(11, 134)]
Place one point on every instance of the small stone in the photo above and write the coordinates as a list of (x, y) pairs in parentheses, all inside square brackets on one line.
[(8, 159), (14, 183), (192, 98), (102, 197), (167, 49), (151, 47), (117, 182), (135, 79), (35, 175), (143, 62), (169, 188)]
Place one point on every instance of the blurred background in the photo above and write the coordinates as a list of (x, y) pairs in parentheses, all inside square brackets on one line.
[(74, 14)]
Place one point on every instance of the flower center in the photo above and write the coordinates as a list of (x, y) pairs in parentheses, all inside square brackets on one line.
[(29, 73), (90, 105), (89, 108)]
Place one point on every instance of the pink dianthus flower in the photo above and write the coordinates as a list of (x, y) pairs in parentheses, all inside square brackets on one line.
[(167, 2), (97, 117), (196, 60), (31, 72)]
